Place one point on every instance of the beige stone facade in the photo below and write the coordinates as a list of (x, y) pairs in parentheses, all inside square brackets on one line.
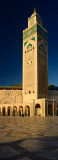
[(33, 99), (35, 60)]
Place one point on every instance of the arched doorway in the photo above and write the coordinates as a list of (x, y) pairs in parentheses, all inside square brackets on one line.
[(4, 111), (20, 110), (9, 111), (50, 110), (57, 110), (27, 111), (14, 110), (37, 110)]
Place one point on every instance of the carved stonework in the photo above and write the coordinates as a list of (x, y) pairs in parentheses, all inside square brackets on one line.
[(7, 100), (7, 93), (36, 28), (19, 93), (29, 68)]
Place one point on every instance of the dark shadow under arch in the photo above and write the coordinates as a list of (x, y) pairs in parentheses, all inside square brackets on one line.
[(9, 111), (4, 111), (50, 110)]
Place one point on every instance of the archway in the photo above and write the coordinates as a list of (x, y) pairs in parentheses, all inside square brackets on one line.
[(9, 111), (4, 111), (20, 110), (37, 110), (14, 110), (50, 110), (27, 111), (57, 110)]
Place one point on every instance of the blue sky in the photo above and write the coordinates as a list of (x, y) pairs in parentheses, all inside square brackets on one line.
[(13, 19)]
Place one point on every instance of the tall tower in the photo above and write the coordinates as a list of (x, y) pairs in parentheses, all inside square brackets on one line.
[(35, 59)]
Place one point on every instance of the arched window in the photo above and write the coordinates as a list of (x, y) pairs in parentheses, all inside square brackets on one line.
[(29, 92), (27, 111), (33, 92)]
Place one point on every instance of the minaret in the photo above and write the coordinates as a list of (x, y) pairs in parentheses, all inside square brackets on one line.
[(35, 59)]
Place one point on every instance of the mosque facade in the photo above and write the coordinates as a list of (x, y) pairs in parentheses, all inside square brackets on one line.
[(34, 99)]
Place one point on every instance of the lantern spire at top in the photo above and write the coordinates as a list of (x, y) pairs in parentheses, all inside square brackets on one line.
[(34, 10)]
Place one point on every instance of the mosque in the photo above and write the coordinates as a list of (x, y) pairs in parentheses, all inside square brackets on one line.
[(34, 98)]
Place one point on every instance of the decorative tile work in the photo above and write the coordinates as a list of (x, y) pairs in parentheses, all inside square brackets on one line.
[(45, 43), (25, 43), (39, 39), (35, 28), (30, 31), (7, 93), (42, 46), (42, 32), (33, 39), (29, 45)]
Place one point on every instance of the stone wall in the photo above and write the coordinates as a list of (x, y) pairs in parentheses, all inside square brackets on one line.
[(11, 96), (53, 94)]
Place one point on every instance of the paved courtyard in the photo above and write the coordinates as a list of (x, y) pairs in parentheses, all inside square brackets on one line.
[(28, 138)]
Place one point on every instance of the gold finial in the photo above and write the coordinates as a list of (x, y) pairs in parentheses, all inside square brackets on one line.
[(34, 10)]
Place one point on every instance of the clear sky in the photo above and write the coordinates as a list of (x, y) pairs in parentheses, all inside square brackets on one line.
[(13, 19)]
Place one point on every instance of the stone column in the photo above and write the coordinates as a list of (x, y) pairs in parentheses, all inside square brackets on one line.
[(53, 107), (1, 111), (24, 110), (6, 111), (12, 110), (32, 109), (17, 111)]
